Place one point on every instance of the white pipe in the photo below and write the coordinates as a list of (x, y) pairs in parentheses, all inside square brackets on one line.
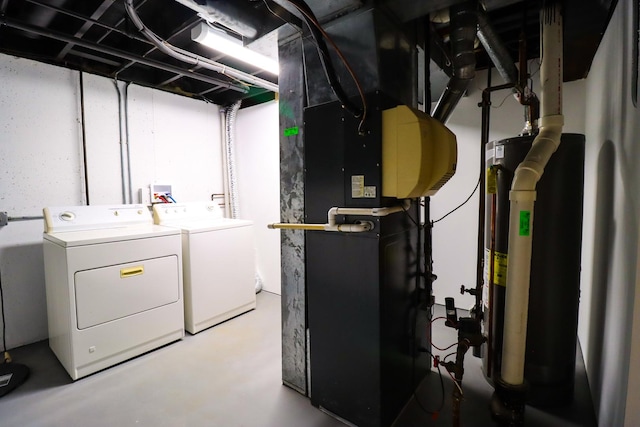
[(522, 198), (335, 211), (358, 227)]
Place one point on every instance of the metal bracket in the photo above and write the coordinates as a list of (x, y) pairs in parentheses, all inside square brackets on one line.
[(4, 219)]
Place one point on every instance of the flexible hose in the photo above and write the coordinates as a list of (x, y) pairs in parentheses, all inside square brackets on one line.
[(230, 114)]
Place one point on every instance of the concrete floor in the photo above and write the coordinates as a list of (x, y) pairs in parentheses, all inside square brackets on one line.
[(229, 375)]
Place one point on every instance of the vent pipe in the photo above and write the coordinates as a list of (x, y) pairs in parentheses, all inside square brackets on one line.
[(464, 26), (497, 51), (522, 198)]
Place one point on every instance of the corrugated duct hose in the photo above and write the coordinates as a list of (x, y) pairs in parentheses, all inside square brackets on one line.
[(230, 113)]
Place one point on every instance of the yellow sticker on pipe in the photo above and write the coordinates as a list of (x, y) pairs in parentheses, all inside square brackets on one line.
[(500, 261)]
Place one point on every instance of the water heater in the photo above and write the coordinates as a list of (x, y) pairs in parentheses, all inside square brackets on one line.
[(555, 266)]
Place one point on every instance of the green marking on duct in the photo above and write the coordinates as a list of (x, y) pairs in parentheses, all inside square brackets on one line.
[(525, 223), (291, 131)]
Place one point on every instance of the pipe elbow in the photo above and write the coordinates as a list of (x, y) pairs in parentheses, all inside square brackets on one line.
[(331, 216), (526, 177)]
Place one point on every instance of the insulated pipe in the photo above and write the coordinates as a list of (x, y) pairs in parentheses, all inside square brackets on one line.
[(523, 195), (192, 58), (464, 23)]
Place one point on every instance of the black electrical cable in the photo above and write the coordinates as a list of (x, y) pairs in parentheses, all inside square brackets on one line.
[(461, 204), (319, 35), (83, 124), (4, 324)]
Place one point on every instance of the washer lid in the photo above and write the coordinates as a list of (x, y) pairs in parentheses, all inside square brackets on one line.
[(200, 226)]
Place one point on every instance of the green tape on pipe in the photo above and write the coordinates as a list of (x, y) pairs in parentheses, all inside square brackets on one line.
[(525, 223)]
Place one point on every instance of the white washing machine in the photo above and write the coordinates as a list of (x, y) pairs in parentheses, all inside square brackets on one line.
[(218, 262), (113, 284)]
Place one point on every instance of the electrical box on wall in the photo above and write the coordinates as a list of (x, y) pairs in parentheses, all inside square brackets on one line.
[(161, 193)]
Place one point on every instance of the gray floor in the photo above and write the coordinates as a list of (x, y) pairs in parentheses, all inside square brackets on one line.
[(227, 376)]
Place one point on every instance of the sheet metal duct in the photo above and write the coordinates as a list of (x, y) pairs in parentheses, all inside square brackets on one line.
[(381, 54), (496, 50), (464, 22)]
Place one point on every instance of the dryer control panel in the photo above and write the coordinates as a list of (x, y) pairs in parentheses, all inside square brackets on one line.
[(78, 218)]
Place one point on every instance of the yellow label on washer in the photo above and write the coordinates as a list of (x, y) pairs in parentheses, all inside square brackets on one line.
[(500, 268)]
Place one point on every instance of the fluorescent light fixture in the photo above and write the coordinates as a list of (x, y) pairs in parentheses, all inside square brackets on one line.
[(219, 41)]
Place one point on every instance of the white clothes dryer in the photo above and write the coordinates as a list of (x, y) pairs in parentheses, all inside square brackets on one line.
[(113, 285), (218, 262)]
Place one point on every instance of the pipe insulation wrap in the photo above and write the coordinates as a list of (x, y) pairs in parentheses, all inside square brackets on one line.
[(522, 198), (464, 24)]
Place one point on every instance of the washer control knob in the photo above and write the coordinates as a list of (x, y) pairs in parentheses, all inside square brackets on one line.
[(67, 216)]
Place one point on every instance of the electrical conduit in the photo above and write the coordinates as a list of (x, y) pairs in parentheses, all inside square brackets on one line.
[(522, 198), (192, 58)]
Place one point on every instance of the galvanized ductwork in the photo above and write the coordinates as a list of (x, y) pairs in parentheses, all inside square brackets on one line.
[(464, 23), (497, 51)]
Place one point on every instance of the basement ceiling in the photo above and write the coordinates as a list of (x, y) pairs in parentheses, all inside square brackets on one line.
[(97, 36)]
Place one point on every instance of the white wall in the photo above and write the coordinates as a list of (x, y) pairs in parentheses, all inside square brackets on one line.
[(258, 166), (612, 209), (173, 139), (455, 237), (41, 165)]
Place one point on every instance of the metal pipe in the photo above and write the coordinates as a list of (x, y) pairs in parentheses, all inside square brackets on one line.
[(192, 58), (123, 175), (464, 22), (23, 218), (84, 139), (126, 139), (119, 54), (497, 51), (491, 305), (484, 140)]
